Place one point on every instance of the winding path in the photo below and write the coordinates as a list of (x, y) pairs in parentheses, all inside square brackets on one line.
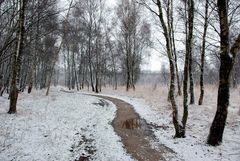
[(135, 133)]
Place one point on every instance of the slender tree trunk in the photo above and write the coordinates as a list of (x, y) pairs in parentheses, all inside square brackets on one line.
[(97, 74), (191, 81), (227, 61), (75, 73), (174, 46), (97, 83), (73, 77), (65, 71), (190, 17), (68, 69), (30, 84), (177, 126), (200, 101), (128, 62), (114, 70), (189, 48), (83, 75), (90, 65), (186, 69), (17, 59)]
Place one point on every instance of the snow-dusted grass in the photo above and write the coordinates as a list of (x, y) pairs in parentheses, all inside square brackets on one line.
[(64, 125), (151, 103), (59, 127)]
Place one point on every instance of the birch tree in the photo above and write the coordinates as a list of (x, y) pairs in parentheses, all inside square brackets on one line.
[(227, 56), (16, 64)]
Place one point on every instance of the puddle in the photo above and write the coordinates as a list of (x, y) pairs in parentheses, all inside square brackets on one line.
[(131, 124)]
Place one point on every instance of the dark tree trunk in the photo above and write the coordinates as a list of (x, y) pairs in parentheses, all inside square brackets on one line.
[(187, 69), (191, 81), (96, 77), (17, 59), (227, 61), (128, 63), (200, 101), (68, 69), (128, 78), (96, 85), (189, 48), (73, 78), (90, 71), (30, 83)]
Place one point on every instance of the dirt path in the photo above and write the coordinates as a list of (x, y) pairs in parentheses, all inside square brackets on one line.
[(135, 133)]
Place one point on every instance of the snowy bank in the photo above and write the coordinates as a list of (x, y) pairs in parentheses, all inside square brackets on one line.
[(60, 127)]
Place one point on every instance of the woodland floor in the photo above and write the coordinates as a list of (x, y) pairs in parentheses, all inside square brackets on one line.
[(112, 126)]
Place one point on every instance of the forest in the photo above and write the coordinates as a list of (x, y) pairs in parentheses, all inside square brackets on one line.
[(71, 68)]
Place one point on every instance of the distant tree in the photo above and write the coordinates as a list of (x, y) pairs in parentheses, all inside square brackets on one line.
[(134, 37), (203, 50)]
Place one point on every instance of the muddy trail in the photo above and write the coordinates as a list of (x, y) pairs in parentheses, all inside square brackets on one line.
[(135, 133)]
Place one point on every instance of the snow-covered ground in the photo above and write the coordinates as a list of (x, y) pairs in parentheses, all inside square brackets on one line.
[(64, 125), (151, 103), (59, 127)]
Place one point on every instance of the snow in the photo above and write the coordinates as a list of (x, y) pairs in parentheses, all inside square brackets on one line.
[(64, 125), (152, 105), (59, 127)]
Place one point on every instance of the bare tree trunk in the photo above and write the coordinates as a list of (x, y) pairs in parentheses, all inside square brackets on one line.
[(75, 73), (68, 69), (97, 73), (190, 9), (73, 76), (227, 61), (200, 101), (177, 126), (189, 48), (191, 82), (90, 65), (17, 59), (128, 62), (83, 75)]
